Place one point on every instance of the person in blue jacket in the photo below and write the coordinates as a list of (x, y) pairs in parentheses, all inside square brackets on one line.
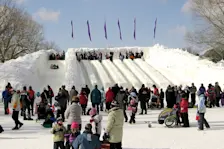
[(87, 140), (6, 95), (96, 98)]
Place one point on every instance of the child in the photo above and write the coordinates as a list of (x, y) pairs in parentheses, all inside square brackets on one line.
[(58, 131), (50, 119), (72, 136), (184, 110), (96, 122), (133, 108)]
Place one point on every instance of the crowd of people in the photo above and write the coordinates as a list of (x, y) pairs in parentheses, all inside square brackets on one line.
[(99, 56), (57, 56), (116, 101)]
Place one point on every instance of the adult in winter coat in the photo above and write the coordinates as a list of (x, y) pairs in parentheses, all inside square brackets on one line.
[(50, 94), (109, 98), (25, 103), (161, 98), (83, 100), (121, 99), (73, 92), (114, 128), (115, 89), (16, 108), (143, 96), (87, 90), (44, 96), (73, 113), (103, 98), (193, 91), (32, 98), (170, 97), (218, 92), (184, 110), (6, 95), (87, 140), (96, 98), (211, 95), (62, 99), (201, 111)]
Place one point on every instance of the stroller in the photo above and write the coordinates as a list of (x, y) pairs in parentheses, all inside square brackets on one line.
[(169, 116)]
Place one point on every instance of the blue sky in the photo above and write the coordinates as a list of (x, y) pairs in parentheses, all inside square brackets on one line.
[(56, 15)]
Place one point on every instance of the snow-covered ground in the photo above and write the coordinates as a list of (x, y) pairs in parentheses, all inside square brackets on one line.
[(136, 136)]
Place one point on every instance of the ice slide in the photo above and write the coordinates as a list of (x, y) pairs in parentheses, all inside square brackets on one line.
[(115, 74), (159, 79), (53, 77), (144, 79), (127, 73), (105, 79)]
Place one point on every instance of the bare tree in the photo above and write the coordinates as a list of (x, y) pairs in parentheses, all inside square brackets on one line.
[(48, 45), (19, 33)]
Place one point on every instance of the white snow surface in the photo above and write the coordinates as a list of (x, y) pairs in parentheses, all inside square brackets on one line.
[(136, 136)]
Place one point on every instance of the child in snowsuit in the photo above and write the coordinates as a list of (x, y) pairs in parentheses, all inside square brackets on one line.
[(58, 132), (50, 119), (96, 122), (184, 110), (133, 108), (70, 137)]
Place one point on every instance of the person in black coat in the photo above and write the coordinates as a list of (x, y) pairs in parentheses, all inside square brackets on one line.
[(115, 89), (161, 98), (170, 96)]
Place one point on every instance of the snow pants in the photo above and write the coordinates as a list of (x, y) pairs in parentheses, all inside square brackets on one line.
[(116, 145), (15, 117), (132, 119), (202, 121), (217, 101), (84, 109), (59, 145), (185, 119)]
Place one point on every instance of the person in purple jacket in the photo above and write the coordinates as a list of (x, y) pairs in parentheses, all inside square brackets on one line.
[(71, 136)]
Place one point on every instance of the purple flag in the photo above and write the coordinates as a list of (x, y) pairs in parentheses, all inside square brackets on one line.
[(72, 29), (105, 29), (89, 30), (118, 23), (135, 28), (155, 29)]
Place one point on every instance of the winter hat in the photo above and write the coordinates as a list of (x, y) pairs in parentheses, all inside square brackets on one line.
[(74, 125), (93, 111), (38, 94), (114, 103)]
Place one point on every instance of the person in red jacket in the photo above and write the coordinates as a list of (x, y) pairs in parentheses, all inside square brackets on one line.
[(184, 110), (32, 98), (83, 100), (109, 98), (211, 96)]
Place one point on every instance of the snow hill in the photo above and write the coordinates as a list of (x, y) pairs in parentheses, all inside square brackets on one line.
[(162, 66)]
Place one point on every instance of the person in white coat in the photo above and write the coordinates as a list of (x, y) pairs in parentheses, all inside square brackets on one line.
[(73, 113), (201, 111), (16, 108), (96, 120)]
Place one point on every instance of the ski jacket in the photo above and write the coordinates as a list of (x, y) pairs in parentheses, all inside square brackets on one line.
[(193, 89), (86, 141), (156, 91), (120, 98), (184, 106), (71, 137), (115, 124), (73, 113), (109, 96), (201, 104), (211, 93), (6, 96), (58, 133), (16, 102), (50, 93), (83, 100), (218, 91), (31, 94), (73, 93), (96, 96)]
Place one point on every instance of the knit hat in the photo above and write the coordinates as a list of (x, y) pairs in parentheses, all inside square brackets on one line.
[(74, 125), (93, 111)]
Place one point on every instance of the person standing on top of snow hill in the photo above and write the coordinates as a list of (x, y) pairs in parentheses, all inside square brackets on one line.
[(16, 108), (83, 100), (50, 94), (73, 113), (96, 98), (32, 98), (96, 122), (58, 131), (201, 111), (114, 128), (25, 103), (184, 110), (109, 98), (73, 92)]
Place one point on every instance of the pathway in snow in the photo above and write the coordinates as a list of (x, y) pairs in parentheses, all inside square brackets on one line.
[(33, 136)]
